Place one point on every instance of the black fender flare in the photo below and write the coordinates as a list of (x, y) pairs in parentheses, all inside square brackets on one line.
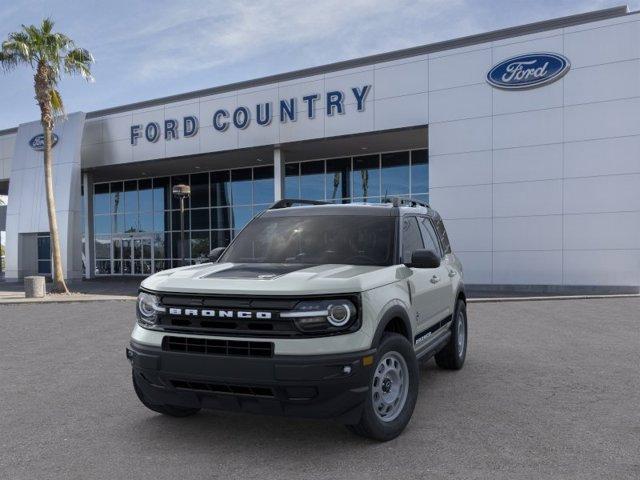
[(396, 311)]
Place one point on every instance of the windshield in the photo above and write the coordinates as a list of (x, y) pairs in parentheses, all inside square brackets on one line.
[(348, 239)]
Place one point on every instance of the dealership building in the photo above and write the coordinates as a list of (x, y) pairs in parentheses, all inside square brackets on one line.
[(526, 140)]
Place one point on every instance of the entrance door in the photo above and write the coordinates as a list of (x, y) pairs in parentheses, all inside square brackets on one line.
[(132, 255)]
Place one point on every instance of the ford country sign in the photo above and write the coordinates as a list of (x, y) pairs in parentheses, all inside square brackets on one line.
[(528, 71), (37, 142)]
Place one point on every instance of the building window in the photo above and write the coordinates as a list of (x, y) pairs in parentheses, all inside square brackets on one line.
[(137, 222), (44, 253)]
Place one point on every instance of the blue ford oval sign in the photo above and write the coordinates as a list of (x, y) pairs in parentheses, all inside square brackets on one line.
[(528, 71), (37, 142)]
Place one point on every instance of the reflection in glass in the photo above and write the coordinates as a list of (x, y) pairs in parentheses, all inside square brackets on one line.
[(395, 173), (175, 220), (101, 198), (220, 189), (220, 238), (116, 197), (200, 190), (366, 177), (241, 186), (220, 218), (263, 185), (419, 171), (126, 248), (131, 196), (292, 180), (312, 180), (130, 222), (200, 244), (103, 267), (158, 245), (117, 248), (102, 247), (145, 222), (161, 194), (102, 224), (240, 216), (145, 195), (338, 179), (200, 219)]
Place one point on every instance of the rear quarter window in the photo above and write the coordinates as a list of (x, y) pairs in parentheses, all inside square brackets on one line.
[(442, 233)]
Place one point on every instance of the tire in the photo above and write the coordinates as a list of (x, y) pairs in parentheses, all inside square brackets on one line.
[(452, 356), (394, 354), (170, 410)]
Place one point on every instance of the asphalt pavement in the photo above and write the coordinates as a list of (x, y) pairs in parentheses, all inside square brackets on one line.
[(551, 389)]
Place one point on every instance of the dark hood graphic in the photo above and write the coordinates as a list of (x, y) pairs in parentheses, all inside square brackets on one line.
[(260, 271)]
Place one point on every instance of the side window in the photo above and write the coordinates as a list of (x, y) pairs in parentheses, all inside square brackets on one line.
[(411, 238), (442, 234), (429, 235)]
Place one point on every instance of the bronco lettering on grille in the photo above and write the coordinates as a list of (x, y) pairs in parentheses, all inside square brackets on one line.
[(192, 312)]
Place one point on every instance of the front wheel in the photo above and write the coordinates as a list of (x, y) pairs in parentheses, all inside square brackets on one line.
[(393, 390), (452, 356)]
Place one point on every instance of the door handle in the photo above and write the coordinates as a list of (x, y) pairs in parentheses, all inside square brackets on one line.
[(452, 273), (435, 279)]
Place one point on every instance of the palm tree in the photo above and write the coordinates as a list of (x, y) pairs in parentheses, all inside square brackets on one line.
[(49, 54)]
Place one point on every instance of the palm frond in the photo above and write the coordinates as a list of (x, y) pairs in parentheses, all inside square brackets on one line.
[(56, 102), (78, 61)]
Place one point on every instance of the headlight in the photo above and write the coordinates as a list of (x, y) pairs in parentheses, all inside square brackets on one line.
[(148, 307), (323, 316)]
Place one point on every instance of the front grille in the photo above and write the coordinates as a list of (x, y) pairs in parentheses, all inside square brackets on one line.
[(223, 388), (264, 313), (249, 327), (207, 346)]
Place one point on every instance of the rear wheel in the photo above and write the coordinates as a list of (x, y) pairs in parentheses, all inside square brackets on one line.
[(393, 390), (452, 356), (171, 410)]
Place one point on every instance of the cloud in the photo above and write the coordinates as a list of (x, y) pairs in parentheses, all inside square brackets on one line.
[(200, 35)]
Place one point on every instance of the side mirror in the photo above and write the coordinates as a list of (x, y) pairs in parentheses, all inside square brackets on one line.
[(424, 259), (214, 254)]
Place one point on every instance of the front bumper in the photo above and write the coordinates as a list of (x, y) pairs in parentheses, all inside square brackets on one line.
[(313, 386)]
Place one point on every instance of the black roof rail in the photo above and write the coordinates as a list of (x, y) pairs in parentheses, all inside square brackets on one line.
[(290, 202), (404, 201)]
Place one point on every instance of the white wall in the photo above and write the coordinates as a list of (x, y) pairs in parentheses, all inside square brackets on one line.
[(6, 154), (27, 209), (542, 186)]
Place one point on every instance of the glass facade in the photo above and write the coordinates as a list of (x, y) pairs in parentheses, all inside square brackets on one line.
[(366, 178), (136, 223)]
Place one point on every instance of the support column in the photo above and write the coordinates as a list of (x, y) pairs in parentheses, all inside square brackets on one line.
[(87, 205), (278, 174)]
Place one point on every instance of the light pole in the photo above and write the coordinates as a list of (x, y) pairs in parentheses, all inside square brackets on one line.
[(181, 192)]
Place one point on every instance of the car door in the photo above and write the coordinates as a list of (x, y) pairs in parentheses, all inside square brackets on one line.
[(444, 284), (426, 293)]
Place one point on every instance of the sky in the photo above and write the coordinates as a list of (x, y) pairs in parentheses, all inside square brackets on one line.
[(150, 49)]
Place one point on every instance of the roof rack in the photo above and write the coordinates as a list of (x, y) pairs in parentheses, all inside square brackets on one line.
[(290, 202), (403, 201)]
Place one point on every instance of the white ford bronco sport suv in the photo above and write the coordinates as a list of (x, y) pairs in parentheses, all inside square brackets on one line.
[(314, 310)]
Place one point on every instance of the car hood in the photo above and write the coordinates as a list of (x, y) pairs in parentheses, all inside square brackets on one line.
[(271, 279)]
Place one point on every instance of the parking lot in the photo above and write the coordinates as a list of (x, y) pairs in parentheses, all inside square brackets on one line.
[(551, 389)]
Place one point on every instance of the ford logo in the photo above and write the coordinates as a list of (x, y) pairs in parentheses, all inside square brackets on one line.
[(528, 71), (37, 142)]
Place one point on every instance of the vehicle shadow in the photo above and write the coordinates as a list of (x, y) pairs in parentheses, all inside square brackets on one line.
[(258, 433)]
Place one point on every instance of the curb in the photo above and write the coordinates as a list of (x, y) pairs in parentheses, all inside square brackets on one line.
[(550, 298), (31, 301)]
